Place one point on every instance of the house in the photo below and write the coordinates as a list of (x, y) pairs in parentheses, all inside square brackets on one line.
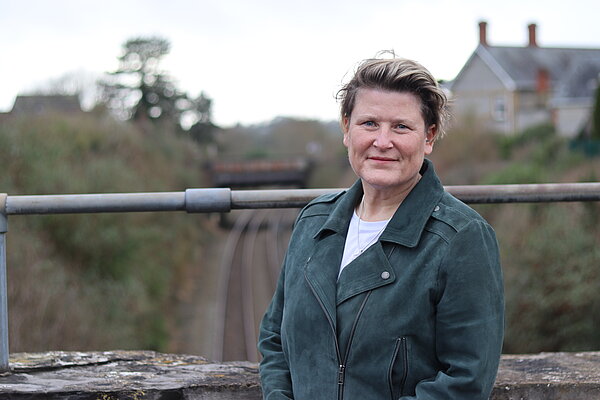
[(42, 104), (32, 105), (512, 88)]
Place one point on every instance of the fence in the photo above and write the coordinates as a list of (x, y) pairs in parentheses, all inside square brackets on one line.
[(224, 200)]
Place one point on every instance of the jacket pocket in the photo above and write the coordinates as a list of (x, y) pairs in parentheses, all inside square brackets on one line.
[(398, 370)]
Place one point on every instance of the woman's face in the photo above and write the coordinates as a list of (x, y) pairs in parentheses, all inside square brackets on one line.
[(386, 139)]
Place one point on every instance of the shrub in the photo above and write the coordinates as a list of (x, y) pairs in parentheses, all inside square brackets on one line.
[(108, 278)]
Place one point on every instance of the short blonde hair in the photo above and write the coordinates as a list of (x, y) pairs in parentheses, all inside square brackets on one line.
[(398, 75)]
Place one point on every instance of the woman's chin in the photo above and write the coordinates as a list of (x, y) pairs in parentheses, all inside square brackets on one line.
[(387, 182), (382, 184)]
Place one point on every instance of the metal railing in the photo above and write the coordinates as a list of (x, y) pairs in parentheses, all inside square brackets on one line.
[(225, 200)]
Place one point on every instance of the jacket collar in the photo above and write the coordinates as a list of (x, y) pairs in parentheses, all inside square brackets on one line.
[(407, 223), (339, 219)]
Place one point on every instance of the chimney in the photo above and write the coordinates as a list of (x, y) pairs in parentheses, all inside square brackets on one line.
[(483, 33), (532, 33), (543, 81)]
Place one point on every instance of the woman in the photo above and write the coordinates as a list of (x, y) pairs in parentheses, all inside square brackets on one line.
[(393, 288)]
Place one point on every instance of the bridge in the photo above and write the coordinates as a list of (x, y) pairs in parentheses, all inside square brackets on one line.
[(255, 173)]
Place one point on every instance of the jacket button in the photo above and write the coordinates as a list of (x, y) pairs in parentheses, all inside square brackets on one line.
[(385, 275), (437, 208)]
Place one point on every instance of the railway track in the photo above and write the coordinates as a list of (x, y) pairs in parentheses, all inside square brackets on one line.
[(247, 277)]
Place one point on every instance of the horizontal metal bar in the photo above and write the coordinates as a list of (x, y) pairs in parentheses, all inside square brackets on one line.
[(280, 198), (223, 199), (474, 194), (208, 200), (530, 193), (95, 203)]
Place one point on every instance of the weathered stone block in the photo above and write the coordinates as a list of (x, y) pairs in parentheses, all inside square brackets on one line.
[(119, 375), (549, 376)]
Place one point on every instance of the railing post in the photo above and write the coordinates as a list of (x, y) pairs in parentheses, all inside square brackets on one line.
[(4, 367)]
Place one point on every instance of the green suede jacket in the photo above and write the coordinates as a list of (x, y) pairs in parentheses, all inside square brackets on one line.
[(419, 315)]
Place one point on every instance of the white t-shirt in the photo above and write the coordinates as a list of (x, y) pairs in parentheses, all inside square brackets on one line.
[(369, 233)]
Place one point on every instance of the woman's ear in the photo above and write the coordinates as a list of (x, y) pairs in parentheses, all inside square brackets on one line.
[(430, 137), (344, 126)]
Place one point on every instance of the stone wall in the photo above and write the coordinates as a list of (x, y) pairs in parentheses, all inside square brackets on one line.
[(117, 375)]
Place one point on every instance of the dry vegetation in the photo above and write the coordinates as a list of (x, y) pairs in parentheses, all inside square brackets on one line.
[(111, 281), (550, 251), (101, 281)]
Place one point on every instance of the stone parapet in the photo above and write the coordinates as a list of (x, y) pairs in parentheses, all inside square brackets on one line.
[(117, 375), (548, 376), (120, 375)]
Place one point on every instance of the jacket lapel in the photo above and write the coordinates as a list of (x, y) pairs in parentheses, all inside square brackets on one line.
[(321, 270), (369, 271)]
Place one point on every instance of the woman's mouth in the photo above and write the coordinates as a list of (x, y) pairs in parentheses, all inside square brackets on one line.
[(382, 159)]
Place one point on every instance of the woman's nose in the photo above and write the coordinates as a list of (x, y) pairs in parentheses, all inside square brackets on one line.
[(383, 138)]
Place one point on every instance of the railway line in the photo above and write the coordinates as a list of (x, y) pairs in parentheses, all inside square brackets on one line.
[(247, 277)]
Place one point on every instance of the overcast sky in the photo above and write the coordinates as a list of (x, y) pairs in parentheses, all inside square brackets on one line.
[(258, 59)]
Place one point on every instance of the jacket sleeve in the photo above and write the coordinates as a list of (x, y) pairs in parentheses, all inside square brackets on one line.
[(274, 371), (469, 317)]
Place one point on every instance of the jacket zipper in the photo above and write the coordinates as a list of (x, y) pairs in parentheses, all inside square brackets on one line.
[(405, 364), (347, 353), (341, 372), (341, 362), (400, 345)]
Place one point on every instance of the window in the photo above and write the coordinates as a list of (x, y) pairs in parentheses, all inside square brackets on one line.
[(499, 110)]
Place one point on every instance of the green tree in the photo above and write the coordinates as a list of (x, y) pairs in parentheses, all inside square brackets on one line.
[(596, 115), (139, 89), (198, 117)]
